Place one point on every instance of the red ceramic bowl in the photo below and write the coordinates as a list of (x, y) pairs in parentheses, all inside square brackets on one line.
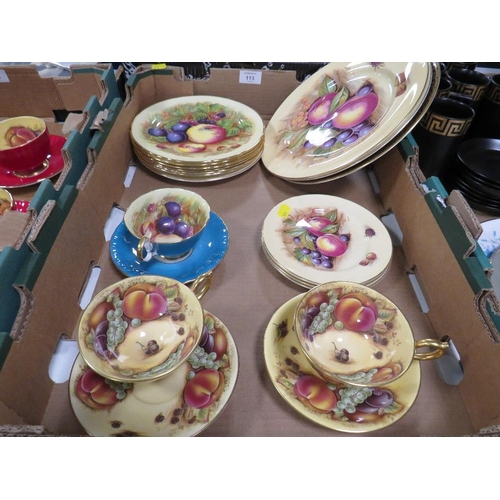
[(24, 143)]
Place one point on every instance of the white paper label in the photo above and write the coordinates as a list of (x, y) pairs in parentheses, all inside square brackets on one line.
[(3, 76), (251, 77)]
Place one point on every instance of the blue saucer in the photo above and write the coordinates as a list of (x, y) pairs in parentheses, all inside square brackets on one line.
[(206, 255)]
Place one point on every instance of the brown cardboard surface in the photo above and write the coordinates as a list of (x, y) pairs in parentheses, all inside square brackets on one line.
[(246, 289)]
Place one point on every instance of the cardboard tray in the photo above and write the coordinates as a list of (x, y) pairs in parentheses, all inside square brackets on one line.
[(72, 106), (246, 289)]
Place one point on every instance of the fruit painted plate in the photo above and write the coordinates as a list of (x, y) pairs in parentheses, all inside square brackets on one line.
[(339, 407), (342, 115), (309, 284), (206, 255), (197, 129), (322, 238), (55, 166), (181, 404), (179, 174)]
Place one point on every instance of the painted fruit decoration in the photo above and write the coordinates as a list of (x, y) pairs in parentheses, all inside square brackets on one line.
[(99, 393), (169, 220), (339, 112), (340, 401), (133, 329), (314, 236), (209, 368), (368, 332), (17, 136), (198, 128)]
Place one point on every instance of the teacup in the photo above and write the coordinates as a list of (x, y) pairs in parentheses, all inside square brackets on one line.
[(142, 328), (166, 223), (24, 144), (352, 334)]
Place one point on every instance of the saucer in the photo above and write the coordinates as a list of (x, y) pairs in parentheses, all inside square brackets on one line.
[(294, 379), (181, 404), (56, 165), (206, 255)]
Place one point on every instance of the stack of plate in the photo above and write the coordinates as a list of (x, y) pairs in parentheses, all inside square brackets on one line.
[(346, 116), (477, 173), (315, 239), (198, 138)]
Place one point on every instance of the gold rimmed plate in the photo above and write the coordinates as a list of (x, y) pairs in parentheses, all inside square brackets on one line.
[(182, 404), (197, 128), (338, 407), (342, 115), (321, 238)]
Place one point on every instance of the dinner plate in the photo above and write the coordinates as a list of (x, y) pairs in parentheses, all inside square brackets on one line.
[(334, 406), (181, 404), (385, 149), (55, 166), (342, 115), (206, 255), (202, 128), (322, 238)]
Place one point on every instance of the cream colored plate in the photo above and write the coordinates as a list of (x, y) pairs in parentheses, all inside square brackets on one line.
[(157, 408), (369, 249), (287, 365), (232, 129), (296, 141), (309, 284)]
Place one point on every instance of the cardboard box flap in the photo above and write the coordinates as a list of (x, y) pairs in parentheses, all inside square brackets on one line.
[(460, 303), (98, 80), (14, 227), (177, 86), (53, 312), (11, 262), (102, 125), (228, 83), (265, 97), (53, 98), (74, 150), (24, 88)]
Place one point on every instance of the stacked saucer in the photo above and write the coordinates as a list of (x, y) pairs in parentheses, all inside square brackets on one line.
[(476, 173), (315, 239), (346, 116), (152, 361), (198, 138)]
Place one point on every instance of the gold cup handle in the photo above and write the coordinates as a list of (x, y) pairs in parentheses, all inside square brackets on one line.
[(437, 347), (142, 246), (201, 285)]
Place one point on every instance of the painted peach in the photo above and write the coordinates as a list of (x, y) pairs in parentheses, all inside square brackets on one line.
[(331, 245), (17, 136), (357, 311), (204, 389), (316, 299), (98, 315), (191, 147), (93, 391), (144, 301), (315, 394), (206, 133), (220, 343), (387, 373)]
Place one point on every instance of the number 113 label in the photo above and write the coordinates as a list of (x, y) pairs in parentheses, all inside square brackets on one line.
[(251, 77)]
